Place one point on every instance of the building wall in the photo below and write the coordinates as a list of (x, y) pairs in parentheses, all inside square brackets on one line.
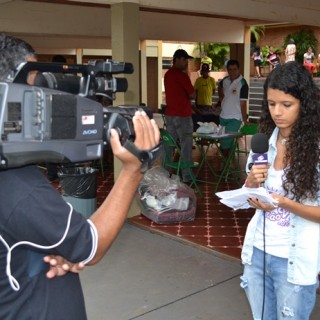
[(275, 36)]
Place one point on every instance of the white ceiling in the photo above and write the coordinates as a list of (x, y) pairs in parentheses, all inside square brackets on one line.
[(294, 11), (87, 23)]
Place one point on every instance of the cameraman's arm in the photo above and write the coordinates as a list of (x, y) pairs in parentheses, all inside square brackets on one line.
[(110, 216)]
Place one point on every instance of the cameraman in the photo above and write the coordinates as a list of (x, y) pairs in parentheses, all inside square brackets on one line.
[(35, 221)]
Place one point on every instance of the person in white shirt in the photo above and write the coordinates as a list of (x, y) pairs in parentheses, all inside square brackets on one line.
[(233, 91), (308, 61), (290, 51)]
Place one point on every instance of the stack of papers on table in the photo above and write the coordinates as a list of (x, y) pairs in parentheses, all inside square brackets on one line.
[(238, 199)]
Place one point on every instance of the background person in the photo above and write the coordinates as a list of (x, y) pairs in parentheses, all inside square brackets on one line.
[(205, 88), (273, 58), (179, 92), (290, 51), (32, 210), (318, 65), (206, 60), (257, 60), (286, 235), (308, 61), (233, 93)]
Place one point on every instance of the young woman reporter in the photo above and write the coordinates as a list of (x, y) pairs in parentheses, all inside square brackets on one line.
[(281, 251)]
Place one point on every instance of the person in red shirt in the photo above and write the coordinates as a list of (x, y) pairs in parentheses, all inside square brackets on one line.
[(179, 92)]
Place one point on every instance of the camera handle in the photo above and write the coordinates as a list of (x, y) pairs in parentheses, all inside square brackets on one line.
[(147, 157)]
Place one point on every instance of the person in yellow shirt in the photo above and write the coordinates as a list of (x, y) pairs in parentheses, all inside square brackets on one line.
[(206, 60), (205, 87)]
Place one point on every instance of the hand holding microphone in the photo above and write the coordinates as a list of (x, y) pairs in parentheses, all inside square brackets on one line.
[(259, 167)]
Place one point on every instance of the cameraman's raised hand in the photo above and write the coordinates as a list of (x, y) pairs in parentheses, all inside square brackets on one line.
[(109, 217), (147, 137)]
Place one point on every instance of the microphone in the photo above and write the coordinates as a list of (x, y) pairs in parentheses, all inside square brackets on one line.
[(259, 147)]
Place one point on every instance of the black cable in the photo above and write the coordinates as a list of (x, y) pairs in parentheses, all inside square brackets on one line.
[(264, 264)]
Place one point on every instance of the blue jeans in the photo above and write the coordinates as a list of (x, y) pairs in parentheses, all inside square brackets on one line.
[(283, 300), (181, 128)]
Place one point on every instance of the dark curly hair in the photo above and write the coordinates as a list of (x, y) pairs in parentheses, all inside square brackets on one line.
[(13, 51), (302, 153)]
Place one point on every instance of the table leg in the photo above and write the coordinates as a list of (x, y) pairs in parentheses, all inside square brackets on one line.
[(228, 161), (204, 159)]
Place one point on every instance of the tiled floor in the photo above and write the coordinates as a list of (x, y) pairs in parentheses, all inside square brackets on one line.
[(216, 227)]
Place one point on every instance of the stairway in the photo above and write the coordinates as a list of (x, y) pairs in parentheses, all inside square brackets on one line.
[(255, 98)]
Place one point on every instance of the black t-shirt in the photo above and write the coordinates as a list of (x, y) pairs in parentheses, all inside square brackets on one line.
[(32, 210)]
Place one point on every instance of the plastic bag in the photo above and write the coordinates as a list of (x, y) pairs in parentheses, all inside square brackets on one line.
[(207, 127), (78, 182), (164, 199)]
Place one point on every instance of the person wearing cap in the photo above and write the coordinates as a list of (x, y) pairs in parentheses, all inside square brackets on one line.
[(179, 91), (205, 87)]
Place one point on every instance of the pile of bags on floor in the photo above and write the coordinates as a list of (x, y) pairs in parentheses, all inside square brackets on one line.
[(164, 199)]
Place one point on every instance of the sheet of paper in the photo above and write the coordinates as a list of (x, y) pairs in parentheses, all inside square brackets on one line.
[(238, 199)]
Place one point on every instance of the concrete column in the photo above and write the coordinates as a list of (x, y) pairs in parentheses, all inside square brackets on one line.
[(241, 52), (247, 37), (79, 54), (143, 64), (160, 78), (237, 52), (125, 48)]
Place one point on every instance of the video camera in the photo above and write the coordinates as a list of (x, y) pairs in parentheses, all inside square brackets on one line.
[(59, 120)]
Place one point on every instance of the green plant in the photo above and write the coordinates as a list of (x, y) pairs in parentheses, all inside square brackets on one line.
[(256, 33), (264, 52), (303, 40), (218, 52)]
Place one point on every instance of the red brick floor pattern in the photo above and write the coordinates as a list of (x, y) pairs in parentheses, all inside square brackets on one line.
[(215, 227)]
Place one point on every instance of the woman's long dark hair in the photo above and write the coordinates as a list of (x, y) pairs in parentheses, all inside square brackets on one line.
[(257, 50), (302, 149)]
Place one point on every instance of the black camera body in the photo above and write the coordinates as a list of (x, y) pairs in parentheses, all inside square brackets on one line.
[(39, 124)]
